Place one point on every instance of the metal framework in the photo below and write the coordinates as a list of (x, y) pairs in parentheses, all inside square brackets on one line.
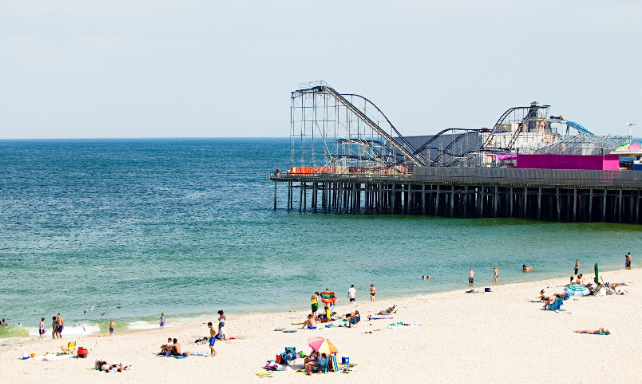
[(348, 134)]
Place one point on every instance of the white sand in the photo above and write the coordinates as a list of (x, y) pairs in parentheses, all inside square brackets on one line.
[(465, 338)]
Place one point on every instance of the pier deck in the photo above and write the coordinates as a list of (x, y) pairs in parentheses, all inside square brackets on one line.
[(562, 195)]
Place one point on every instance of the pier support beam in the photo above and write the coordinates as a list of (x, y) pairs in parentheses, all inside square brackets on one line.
[(590, 205), (423, 199), (574, 204), (525, 201), (510, 196), (539, 203), (275, 195), (604, 206)]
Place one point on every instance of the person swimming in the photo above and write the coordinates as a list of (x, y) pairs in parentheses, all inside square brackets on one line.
[(526, 268)]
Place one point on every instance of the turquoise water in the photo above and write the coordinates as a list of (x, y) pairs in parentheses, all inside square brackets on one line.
[(186, 227)]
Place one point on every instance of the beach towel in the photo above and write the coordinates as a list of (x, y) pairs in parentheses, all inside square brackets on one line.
[(555, 306), (379, 317), (328, 297), (199, 353)]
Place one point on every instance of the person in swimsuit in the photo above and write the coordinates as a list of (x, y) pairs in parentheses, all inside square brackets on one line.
[(526, 268), (352, 294), (577, 266), (61, 326), (373, 292), (600, 331), (42, 329), (221, 316), (314, 303), (212, 338), (162, 320), (3, 323), (496, 275), (471, 277), (54, 326), (627, 261), (111, 327), (310, 323)]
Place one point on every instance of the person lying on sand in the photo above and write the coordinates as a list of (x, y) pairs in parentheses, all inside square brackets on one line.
[(104, 366), (526, 268), (310, 323), (388, 311), (600, 331)]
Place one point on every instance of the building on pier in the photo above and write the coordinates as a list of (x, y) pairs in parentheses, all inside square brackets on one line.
[(347, 156)]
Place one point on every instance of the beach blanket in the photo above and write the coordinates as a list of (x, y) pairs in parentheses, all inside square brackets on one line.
[(380, 317), (54, 357), (398, 326), (199, 354), (328, 297)]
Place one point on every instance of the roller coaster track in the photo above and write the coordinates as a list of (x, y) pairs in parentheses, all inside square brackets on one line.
[(441, 133), (455, 140), (407, 149)]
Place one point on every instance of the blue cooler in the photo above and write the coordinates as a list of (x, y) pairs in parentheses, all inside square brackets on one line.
[(345, 359)]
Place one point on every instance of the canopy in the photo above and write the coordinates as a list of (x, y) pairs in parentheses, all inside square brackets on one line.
[(322, 345)]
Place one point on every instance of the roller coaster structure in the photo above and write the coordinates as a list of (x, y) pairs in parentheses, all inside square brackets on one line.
[(347, 134)]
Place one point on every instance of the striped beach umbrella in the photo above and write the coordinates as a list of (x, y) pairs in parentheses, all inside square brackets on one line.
[(577, 290), (322, 345)]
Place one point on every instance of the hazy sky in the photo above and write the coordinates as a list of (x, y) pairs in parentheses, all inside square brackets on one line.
[(163, 68)]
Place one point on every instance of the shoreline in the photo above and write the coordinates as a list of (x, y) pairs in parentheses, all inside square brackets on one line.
[(186, 320)]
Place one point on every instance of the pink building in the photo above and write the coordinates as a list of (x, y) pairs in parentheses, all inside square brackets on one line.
[(598, 163)]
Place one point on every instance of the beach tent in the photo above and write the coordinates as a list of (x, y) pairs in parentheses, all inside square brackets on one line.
[(577, 290)]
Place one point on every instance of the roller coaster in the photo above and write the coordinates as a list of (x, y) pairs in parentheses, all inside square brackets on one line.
[(347, 133)]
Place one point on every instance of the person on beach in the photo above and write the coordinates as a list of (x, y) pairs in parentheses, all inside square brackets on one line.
[(314, 303), (222, 334), (221, 316), (310, 323), (162, 320), (373, 292), (41, 329), (352, 294), (3, 323), (212, 338), (580, 279), (496, 271), (627, 261), (570, 282), (54, 327), (166, 347), (600, 331), (577, 266), (471, 277), (111, 327), (526, 268), (61, 326)]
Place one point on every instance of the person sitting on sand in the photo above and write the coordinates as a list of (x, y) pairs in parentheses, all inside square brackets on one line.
[(600, 331), (570, 282), (310, 323), (174, 349), (222, 334), (542, 296), (165, 347), (318, 365), (312, 358), (526, 268), (580, 279), (354, 318)]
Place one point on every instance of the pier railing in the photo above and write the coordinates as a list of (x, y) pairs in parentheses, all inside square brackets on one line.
[(487, 176)]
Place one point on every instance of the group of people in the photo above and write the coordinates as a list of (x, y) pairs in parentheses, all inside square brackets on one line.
[(57, 326)]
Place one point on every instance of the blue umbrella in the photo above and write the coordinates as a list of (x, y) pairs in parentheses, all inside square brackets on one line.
[(577, 290)]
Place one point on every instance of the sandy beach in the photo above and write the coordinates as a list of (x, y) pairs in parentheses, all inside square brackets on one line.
[(466, 338)]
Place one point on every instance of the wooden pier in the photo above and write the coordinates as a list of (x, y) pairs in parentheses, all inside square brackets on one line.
[(553, 195)]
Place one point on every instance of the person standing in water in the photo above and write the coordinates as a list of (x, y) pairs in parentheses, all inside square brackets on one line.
[(471, 277), (577, 267), (496, 275), (352, 294), (54, 326), (111, 327), (162, 320), (42, 330), (373, 292), (61, 326), (627, 261)]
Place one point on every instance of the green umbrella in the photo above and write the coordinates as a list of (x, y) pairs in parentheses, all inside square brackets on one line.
[(597, 280)]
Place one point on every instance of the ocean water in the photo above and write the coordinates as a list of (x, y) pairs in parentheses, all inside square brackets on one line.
[(186, 227)]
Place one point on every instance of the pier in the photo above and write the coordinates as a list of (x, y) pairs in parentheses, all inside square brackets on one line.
[(553, 195), (346, 156)]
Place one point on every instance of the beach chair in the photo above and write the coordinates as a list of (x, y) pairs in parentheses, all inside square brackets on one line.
[(70, 348), (556, 305)]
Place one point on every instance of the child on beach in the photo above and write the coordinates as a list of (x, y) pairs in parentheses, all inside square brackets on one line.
[(42, 329), (111, 327), (162, 320), (212, 338)]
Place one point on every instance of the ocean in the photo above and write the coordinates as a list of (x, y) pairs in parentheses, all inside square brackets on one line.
[(186, 227)]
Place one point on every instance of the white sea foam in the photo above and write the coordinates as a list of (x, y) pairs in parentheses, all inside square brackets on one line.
[(142, 325)]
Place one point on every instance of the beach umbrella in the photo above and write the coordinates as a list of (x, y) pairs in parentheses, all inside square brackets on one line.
[(597, 280), (322, 345), (577, 290)]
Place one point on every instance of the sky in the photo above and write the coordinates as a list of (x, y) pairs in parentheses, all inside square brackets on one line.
[(164, 68)]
